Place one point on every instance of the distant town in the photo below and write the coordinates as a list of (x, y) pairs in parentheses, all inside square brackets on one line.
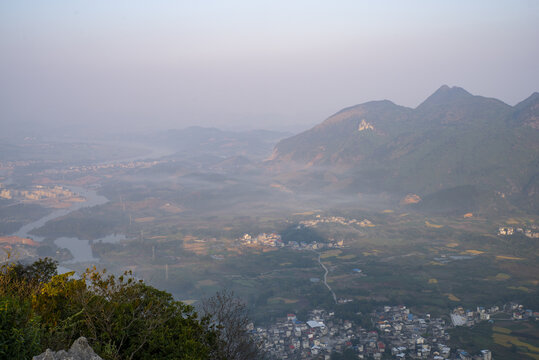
[(275, 240), (397, 333), (531, 232), (336, 220), (38, 192)]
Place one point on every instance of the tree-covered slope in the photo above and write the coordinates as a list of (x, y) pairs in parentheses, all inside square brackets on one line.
[(452, 139)]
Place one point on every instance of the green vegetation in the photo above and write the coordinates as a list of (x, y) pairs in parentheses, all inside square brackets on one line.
[(397, 256), (506, 339), (121, 317), (13, 216), (299, 234), (455, 150), (469, 161)]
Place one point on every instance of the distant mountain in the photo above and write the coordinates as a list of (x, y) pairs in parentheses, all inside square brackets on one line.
[(453, 140), (527, 112), (211, 141)]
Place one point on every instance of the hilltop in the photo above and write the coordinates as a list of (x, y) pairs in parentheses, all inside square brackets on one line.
[(453, 144)]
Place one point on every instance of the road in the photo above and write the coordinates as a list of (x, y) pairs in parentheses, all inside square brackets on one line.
[(325, 277)]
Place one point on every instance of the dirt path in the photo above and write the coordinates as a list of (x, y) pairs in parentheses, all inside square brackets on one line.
[(325, 277)]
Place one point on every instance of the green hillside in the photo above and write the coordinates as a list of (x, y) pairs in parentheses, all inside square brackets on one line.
[(452, 140)]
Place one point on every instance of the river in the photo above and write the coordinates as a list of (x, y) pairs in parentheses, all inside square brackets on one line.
[(81, 249)]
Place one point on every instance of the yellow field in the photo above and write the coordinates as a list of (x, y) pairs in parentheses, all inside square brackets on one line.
[(347, 257), (436, 263), (512, 221), (452, 245), (473, 252), (281, 299), (508, 340), (501, 330), (452, 297), (190, 243), (503, 257), (330, 253), (433, 281), (373, 252), (521, 288), (431, 225), (285, 264), (502, 276), (387, 211)]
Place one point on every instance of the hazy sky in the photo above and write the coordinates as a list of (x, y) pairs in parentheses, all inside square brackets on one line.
[(256, 64)]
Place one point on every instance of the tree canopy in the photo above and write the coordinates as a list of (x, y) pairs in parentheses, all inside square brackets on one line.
[(122, 317)]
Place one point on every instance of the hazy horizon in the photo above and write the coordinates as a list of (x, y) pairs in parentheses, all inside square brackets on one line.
[(245, 65)]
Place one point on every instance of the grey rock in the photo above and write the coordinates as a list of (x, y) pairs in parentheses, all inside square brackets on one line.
[(80, 350), (47, 355)]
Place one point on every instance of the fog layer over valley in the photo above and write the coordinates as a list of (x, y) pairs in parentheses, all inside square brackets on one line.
[(353, 179), (433, 207)]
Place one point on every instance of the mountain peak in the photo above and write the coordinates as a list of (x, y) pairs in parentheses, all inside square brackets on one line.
[(445, 95), (527, 111), (532, 99)]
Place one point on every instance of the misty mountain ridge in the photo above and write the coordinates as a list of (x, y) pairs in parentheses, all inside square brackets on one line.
[(452, 141), (254, 144)]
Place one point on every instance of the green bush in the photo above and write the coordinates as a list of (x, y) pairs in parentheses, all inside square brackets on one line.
[(20, 331), (121, 317)]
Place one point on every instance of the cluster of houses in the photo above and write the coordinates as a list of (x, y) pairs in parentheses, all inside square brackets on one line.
[(515, 311), (336, 220), (409, 336), (275, 240), (82, 169), (464, 355), (19, 248), (518, 312), (26, 250), (508, 231), (461, 317), (317, 338), (272, 239), (11, 165), (39, 192), (136, 164), (398, 334)]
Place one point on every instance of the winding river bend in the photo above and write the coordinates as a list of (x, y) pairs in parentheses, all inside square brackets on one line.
[(91, 199), (80, 248)]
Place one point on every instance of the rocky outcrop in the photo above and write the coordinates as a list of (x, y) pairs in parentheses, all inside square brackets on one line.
[(80, 350), (363, 125)]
